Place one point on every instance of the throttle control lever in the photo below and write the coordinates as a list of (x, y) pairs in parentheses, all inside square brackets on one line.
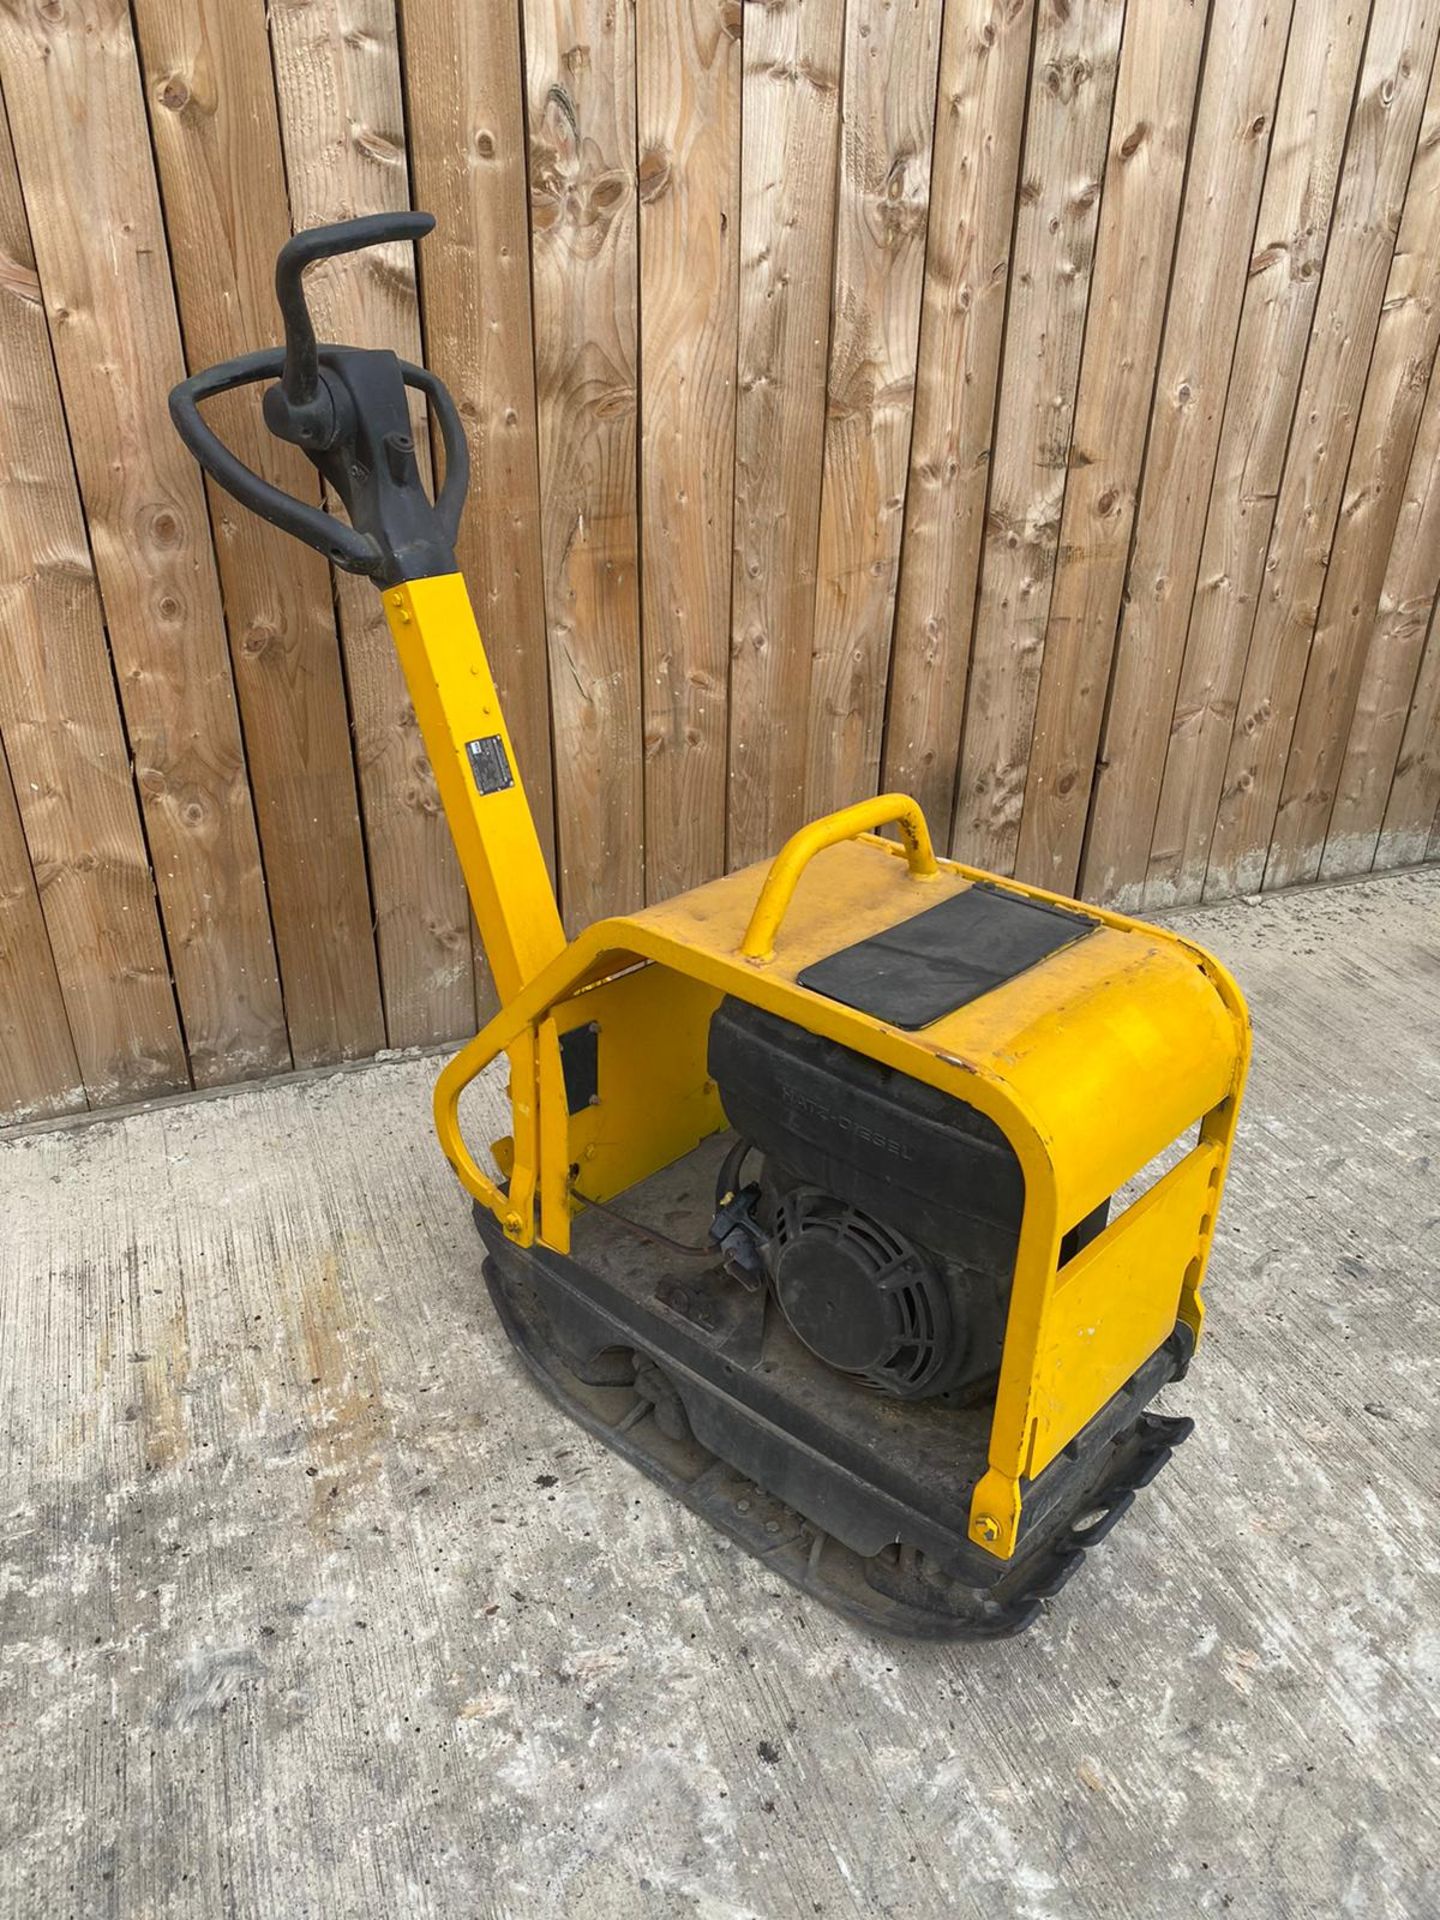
[(345, 408)]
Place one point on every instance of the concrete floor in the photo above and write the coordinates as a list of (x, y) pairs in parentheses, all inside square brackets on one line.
[(312, 1606)]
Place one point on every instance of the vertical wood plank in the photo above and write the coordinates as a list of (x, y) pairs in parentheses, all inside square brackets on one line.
[(1407, 834), (580, 88), (78, 118), (887, 124), (465, 107), (790, 108), (1327, 38), (1243, 63), (39, 1073), (1072, 90), (337, 77), (1222, 196), (217, 142), (62, 730), (465, 102), (1394, 80), (980, 120), (1139, 213), (1395, 389), (1375, 781), (688, 102)]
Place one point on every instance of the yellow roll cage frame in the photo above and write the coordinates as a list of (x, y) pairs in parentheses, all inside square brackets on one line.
[(1092, 1063)]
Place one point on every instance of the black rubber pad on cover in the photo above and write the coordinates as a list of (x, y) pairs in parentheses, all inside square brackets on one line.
[(916, 972)]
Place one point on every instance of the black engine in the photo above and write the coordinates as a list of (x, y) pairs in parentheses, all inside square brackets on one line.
[(886, 1215)]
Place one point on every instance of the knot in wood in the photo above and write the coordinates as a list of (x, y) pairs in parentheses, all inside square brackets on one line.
[(1134, 140), (606, 194), (386, 149), (653, 174), (173, 94), (260, 636)]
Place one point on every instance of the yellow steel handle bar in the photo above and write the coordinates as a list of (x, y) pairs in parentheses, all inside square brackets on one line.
[(888, 809)]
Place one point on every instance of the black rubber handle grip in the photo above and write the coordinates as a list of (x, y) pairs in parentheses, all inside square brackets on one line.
[(342, 544), (392, 551), (302, 355)]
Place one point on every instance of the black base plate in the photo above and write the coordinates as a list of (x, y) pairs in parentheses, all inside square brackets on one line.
[(858, 1500)]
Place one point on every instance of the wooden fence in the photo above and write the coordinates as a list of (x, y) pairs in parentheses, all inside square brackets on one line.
[(1025, 403)]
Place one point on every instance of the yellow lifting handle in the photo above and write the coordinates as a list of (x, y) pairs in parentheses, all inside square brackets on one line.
[(887, 809)]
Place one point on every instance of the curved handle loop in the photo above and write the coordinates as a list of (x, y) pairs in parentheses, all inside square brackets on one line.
[(888, 809), (354, 551), (455, 1077), (450, 500), (342, 544)]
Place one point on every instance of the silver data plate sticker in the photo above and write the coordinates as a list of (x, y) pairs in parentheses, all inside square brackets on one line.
[(489, 763)]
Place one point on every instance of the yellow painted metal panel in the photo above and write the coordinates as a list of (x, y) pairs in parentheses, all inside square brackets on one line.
[(656, 1098), (453, 693), (1119, 1042), (554, 1141), (1115, 1303)]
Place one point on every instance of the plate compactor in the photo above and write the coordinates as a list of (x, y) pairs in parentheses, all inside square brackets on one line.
[(814, 1202)]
